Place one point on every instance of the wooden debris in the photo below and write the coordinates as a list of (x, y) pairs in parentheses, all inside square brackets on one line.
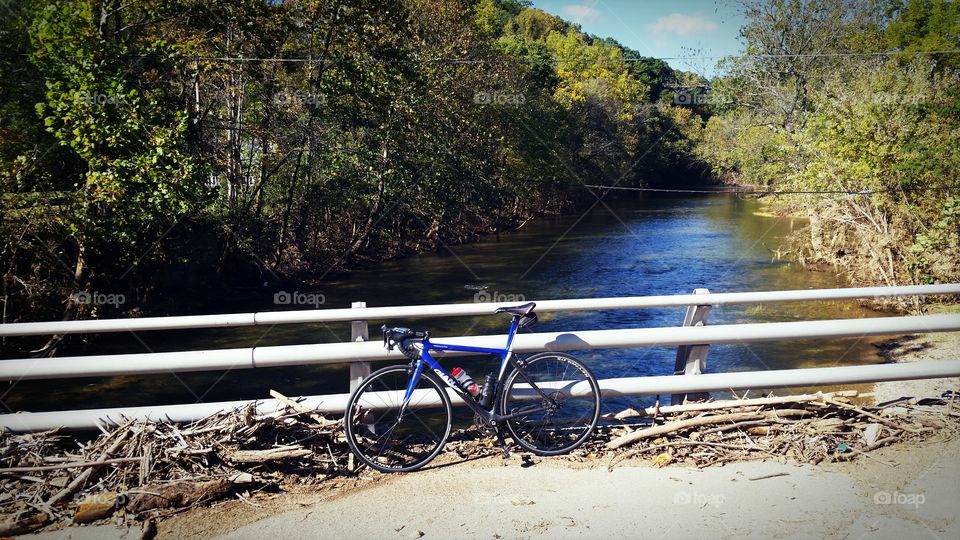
[(177, 494), (701, 421), (95, 508), (23, 526), (100, 463), (269, 454), (651, 412), (766, 476), (303, 409), (49, 477), (808, 428)]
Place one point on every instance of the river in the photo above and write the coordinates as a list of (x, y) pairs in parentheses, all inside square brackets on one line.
[(641, 245)]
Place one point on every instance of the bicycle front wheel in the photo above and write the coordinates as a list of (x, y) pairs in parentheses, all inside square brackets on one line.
[(380, 437), (556, 400)]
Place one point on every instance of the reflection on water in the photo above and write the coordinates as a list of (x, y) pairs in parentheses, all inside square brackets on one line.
[(642, 246)]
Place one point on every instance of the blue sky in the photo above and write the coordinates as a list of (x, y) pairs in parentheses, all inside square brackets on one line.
[(660, 28)]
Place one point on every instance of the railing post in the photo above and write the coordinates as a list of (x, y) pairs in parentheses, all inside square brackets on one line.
[(359, 331), (692, 359)]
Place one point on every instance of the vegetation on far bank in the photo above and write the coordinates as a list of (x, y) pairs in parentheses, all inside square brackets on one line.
[(146, 145), (817, 105), (177, 144)]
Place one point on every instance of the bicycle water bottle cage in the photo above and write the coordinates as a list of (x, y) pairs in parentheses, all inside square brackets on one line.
[(525, 312)]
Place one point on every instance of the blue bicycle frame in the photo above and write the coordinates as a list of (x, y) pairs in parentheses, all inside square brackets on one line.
[(505, 354)]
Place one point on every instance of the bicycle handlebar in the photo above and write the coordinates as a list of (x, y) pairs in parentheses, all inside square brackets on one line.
[(398, 335)]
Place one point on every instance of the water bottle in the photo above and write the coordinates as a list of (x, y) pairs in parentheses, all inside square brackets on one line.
[(461, 376), (489, 389)]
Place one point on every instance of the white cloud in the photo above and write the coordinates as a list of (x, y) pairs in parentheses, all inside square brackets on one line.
[(579, 12), (683, 25)]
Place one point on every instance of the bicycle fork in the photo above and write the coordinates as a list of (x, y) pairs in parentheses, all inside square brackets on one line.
[(411, 384)]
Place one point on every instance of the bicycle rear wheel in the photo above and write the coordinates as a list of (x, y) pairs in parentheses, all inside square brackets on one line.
[(563, 416), (384, 441)]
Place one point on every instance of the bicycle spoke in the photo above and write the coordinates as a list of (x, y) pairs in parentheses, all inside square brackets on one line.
[(549, 418), (377, 434)]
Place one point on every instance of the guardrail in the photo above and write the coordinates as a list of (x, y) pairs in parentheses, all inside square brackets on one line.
[(693, 339)]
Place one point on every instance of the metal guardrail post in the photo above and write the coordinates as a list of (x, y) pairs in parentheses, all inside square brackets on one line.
[(359, 331), (692, 359)]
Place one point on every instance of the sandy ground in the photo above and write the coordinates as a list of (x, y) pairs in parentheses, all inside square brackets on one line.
[(550, 500), (896, 492), (914, 348)]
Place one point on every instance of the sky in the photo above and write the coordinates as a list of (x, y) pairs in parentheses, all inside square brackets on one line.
[(660, 28)]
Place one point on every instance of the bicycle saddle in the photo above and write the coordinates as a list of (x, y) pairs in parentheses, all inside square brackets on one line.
[(518, 310)]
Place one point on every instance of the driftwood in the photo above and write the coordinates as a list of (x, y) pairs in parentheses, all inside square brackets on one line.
[(269, 454), (86, 474), (24, 526), (177, 494), (809, 428), (49, 477), (656, 431), (98, 507), (876, 417), (651, 412), (299, 407), (79, 465)]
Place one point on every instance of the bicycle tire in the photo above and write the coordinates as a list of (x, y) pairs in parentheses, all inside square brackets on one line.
[(569, 420), (371, 426)]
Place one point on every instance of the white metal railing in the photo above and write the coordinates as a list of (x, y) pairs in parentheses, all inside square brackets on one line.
[(692, 338), (367, 351), (626, 386), (451, 310)]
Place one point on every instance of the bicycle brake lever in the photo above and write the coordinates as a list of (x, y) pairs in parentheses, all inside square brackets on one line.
[(386, 341)]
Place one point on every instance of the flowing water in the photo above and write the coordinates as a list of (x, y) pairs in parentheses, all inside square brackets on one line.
[(647, 245)]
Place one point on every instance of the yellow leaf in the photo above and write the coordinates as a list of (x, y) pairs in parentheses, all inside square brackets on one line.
[(662, 460)]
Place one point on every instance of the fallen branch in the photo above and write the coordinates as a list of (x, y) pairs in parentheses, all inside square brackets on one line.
[(868, 414), (656, 431), (24, 526), (72, 487), (299, 407), (69, 465), (649, 412), (270, 454), (177, 494), (772, 475)]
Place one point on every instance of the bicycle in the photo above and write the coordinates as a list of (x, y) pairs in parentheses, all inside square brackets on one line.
[(399, 417)]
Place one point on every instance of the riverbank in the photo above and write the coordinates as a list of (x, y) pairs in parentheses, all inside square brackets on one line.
[(934, 346)]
